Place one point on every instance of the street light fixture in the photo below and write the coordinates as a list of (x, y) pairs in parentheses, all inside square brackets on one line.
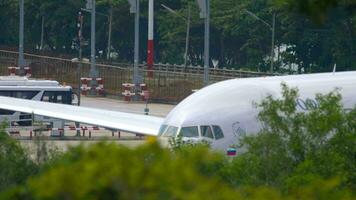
[(187, 19), (272, 28), (110, 28)]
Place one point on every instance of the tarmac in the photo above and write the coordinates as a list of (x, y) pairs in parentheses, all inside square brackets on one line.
[(160, 110)]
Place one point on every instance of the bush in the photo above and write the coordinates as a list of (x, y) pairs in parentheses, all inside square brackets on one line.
[(109, 171)]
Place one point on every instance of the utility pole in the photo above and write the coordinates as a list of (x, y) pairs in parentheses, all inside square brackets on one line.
[(204, 6), (21, 60), (109, 36), (93, 71)]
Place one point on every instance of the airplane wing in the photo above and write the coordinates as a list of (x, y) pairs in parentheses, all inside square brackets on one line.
[(127, 122)]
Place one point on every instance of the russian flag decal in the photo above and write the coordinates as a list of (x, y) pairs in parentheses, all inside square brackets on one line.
[(231, 152)]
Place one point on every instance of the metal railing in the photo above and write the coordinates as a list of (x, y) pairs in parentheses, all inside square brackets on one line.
[(171, 83)]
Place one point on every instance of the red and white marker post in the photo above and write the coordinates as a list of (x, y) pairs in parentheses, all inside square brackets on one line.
[(150, 43)]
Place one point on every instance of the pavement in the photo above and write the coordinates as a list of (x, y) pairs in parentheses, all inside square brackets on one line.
[(159, 110)]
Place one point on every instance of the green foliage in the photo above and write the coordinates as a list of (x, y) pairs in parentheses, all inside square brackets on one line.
[(15, 164), (237, 39), (317, 10), (298, 148), (109, 171)]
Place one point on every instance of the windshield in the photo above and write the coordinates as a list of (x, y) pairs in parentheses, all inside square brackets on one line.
[(162, 129), (171, 131), (218, 132), (189, 131), (206, 132)]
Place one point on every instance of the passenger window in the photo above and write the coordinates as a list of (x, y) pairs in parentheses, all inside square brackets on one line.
[(218, 132), (49, 97), (19, 94), (66, 97), (26, 94), (45, 98), (6, 112), (57, 97), (189, 131), (171, 131), (206, 132), (6, 93)]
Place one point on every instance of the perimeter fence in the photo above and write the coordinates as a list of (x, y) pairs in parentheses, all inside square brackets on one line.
[(170, 83)]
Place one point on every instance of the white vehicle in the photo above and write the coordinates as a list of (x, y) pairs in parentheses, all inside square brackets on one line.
[(219, 113), (38, 90)]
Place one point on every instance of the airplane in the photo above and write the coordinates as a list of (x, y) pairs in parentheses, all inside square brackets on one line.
[(219, 114)]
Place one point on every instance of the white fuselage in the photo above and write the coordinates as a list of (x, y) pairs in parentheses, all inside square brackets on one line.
[(230, 104)]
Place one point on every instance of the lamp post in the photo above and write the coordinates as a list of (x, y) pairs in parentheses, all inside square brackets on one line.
[(21, 59), (109, 34), (42, 31), (135, 8), (137, 44), (187, 19), (109, 27), (93, 73), (272, 28), (204, 6), (80, 41)]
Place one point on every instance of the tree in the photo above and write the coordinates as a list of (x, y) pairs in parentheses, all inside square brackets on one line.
[(298, 148), (15, 164), (8, 19), (310, 34)]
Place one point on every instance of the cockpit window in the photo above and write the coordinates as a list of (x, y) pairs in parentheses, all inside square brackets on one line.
[(162, 129), (189, 131), (218, 132), (171, 131), (206, 132)]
